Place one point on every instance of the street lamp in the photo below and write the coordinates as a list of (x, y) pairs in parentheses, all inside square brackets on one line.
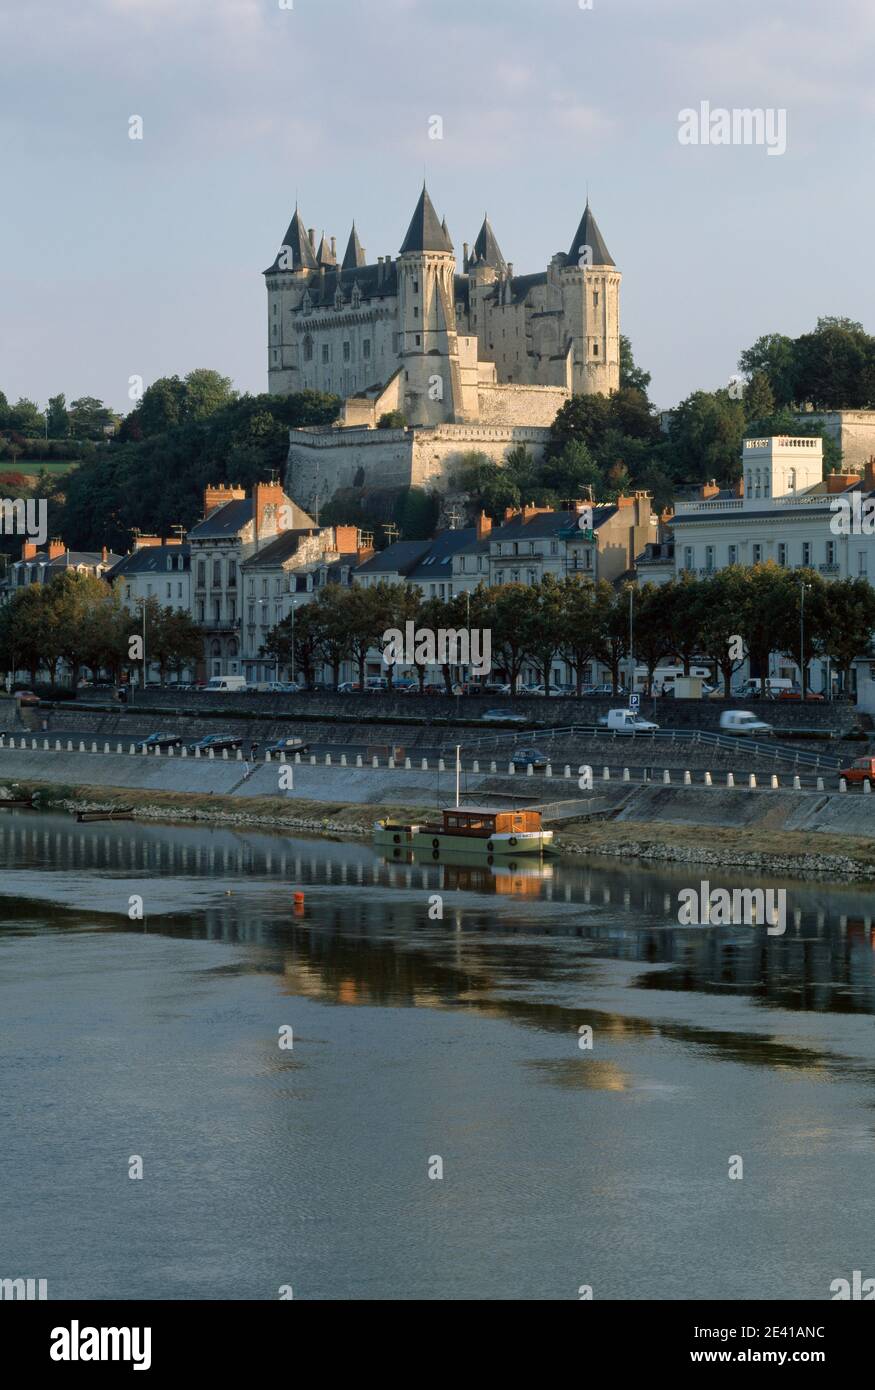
[(142, 602), (802, 637)]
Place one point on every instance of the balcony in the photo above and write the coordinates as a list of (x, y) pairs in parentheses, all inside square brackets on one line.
[(831, 568), (219, 624)]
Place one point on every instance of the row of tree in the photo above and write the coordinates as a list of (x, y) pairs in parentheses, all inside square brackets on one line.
[(78, 622), (724, 619)]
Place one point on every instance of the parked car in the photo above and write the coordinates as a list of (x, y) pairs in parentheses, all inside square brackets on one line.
[(287, 745), (752, 689), (348, 688), (215, 742), (626, 721), (525, 757), (861, 770), (159, 741), (503, 716), (796, 694), (496, 688), (606, 689), (743, 722)]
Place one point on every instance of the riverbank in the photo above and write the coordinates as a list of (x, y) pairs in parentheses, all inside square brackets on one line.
[(838, 858)]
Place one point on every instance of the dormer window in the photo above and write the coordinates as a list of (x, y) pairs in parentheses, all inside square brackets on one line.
[(338, 298), (307, 302)]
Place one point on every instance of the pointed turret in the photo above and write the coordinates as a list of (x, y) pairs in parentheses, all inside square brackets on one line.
[(425, 232), (588, 235), (325, 255), (296, 253), (354, 254), (487, 250)]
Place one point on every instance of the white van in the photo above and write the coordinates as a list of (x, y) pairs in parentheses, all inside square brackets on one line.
[(227, 684), (626, 721), (742, 722)]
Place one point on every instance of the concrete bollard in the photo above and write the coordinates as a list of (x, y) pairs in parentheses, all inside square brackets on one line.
[(688, 781), (708, 781), (327, 759), (867, 788), (145, 751), (626, 774), (511, 769), (530, 771), (343, 760), (45, 744), (441, 767), (239, 757), (797, 782), (212, 755), (408, 765), (170, 752), (475, 766), (567, 771), (606, 774), (33, 743), (118, 748), (358, 761), (283, 758), (106, 748), (493, 767), (752, 781), (666, 778), (425, 765), (58, 746), (131, 750), (224, 755), (197, 752), (548, 770), (773, 782), (69, 745), (843, 786), (819, 786), (298, 760), (184, 751), (391, 762), (313, 760), (730, 779), (375, 762), (81, 746), (158, 751), (93, 747)]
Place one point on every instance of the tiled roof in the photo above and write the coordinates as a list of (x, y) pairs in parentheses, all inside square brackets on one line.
[(437, 563), (151, 559), (588, 234), (280, 549), (227, 520), (399, 558), (425, 232)]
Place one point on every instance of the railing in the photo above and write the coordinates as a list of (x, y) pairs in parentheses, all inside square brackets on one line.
[(773, 750)]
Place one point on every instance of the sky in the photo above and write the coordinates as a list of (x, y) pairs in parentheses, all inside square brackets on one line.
[(122, 258)]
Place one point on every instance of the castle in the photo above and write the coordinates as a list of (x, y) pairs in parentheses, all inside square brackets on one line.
[(479, 360)]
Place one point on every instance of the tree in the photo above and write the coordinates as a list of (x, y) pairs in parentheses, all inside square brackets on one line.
[(392, 420), (772, 357), (705, 432), (845, 613), (365, 623), (630, 375), (653, 633), (541, 619), (162, 406), (57, 417), (206, 392), (24, 418), (722, 598), (89, 418), (580, 625)]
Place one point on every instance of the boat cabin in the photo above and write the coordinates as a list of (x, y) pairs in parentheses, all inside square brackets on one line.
[(486, 820)]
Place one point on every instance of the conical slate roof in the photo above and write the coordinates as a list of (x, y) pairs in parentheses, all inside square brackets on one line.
[(425, 232), (302, 256), (589, 235), (486, 248), (354, 254), (325, 255)]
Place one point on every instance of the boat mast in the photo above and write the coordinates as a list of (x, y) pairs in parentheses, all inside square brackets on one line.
[(458, 770)]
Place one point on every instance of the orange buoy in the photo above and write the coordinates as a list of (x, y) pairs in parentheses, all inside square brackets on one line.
[(298, 900)]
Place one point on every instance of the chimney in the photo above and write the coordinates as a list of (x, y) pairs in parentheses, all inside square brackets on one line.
[(346, 539), (104, 556), (484, 526), (57, 548), (143, 542), (709, 489), (362, 553), (28, 550), (624, 501), (464, 255), (869, 474), (510, 270), (217, 494), (334, 248), (267, 500), (509, 514), (738, 487), (311, 233), (838, 482), (379, 270)]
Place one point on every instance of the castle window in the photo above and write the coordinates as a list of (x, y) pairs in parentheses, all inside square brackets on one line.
[(418, 340), (274, 311), (416, 311), (346, 352), (595, 349), (308, 348), (595, 299), (782, 554), (757, 554), (366, 348), (416, 287), (326, 353), (275, 354)]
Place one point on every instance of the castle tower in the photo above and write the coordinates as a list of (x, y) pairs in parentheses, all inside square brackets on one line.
[(589, 288), (429, 351), (286, 282)]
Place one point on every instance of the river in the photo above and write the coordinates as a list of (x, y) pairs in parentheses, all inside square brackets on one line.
[(435, 1130)]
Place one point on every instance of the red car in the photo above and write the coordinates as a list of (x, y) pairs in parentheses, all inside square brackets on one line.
[(861, 770), (797, 695)]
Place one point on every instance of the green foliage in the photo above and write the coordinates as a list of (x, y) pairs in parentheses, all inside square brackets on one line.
[(392, 420), (832, 368)]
